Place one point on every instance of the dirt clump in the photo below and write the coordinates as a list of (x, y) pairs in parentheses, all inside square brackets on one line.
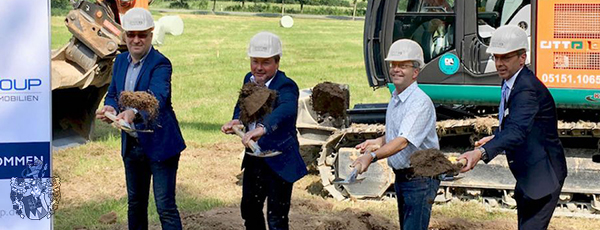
[(317, 205), (329, 99), (140, 100), (108, 218), (255, 102), (432, 162)]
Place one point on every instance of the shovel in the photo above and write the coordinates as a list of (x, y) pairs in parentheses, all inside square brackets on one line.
[(123, 125), (256, 151), (448, 176), (351, 179)]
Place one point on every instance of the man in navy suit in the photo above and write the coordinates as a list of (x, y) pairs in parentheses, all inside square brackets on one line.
[(527, 133), (270, 178), (146, 155)]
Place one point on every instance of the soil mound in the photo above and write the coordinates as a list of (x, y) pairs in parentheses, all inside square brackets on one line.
[(304, 215)]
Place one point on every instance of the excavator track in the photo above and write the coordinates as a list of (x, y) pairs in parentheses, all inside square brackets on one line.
[(492, 184)]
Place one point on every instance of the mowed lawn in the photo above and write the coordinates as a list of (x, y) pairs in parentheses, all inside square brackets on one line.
[(209, 62)]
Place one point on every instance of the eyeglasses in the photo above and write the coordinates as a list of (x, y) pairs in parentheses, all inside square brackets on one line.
[(139, 35), (401, 66), (504, 57)]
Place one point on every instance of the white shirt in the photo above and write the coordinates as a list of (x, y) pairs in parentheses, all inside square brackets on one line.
[(252, 125), (410, 114), (511, 82)]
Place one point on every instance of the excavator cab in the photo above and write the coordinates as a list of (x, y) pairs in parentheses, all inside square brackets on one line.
[(454, 36)]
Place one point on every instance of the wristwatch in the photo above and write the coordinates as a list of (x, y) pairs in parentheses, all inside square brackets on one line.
[(136, 114), (484, 155), (135, 111), (374, 157)]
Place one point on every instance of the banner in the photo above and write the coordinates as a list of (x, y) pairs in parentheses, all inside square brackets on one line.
[(568, 44), (26, 186)]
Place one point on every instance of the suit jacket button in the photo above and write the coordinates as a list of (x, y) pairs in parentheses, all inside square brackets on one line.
[(510, 162)]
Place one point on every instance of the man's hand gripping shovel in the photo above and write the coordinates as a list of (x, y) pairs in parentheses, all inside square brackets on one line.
[(256, 151), (352, 177), (123, 125)]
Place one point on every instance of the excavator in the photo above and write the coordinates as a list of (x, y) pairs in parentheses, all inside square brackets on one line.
[(461, 79), (82, 68)]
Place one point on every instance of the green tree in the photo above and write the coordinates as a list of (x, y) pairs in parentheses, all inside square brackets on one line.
[(302, 3), (59, 4)]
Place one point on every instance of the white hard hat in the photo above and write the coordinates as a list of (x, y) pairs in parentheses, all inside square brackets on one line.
[(137, 19), (507, 39), (264, 45), (406, 50)]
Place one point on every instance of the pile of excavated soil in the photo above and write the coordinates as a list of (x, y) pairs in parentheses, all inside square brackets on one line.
[(329, 98), (140, 100), (304, 215), (255, 102), (431, 162), (462, 224)]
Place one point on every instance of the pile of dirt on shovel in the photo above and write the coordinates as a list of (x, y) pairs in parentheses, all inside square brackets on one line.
[(431, 162), (329, 98), (255, 102), (140, 100)]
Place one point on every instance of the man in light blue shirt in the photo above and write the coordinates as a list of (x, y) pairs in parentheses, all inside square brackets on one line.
[(133, 71), (410, 126)]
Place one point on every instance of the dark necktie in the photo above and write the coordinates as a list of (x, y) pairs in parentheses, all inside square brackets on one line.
[(503, 102)]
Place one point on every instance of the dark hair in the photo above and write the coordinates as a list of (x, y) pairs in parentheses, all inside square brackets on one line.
[(276, 58)]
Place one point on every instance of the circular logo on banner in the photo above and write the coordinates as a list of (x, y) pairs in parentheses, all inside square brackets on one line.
[(449, 63)]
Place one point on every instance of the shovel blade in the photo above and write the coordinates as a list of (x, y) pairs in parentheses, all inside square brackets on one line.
[(347, 181), (350, 180), (264, 154)]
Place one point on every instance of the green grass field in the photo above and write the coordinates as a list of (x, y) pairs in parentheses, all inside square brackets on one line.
[(272, 7)]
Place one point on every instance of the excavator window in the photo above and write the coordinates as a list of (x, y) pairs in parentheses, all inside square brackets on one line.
[(492, 14), (428, 22)]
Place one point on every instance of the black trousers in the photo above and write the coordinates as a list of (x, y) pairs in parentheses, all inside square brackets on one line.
[(260, 183), (536, 214)]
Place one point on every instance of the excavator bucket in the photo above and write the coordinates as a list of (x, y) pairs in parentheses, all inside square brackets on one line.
[(81, 71)]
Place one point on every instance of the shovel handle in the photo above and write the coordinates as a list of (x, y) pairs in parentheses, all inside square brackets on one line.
[(110, 116), (252, 144)]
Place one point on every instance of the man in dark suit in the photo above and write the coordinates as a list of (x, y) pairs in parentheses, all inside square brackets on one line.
[(270, 177), (146, 155), (527, 132)]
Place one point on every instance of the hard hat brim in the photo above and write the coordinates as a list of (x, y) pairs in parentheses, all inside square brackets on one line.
[(404, 59), (263, 55), (494, 50), (130, 29)]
